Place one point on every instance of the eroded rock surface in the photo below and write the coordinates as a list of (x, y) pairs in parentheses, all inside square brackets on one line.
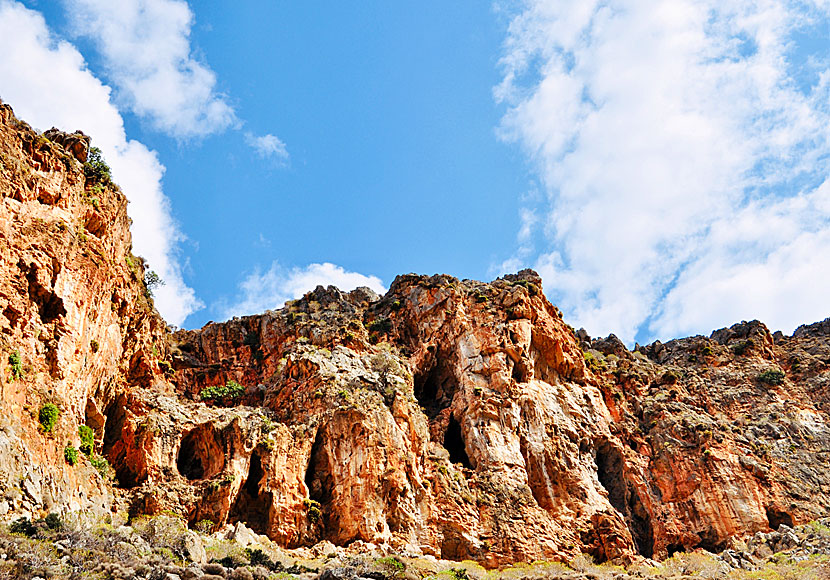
[(453, 418)]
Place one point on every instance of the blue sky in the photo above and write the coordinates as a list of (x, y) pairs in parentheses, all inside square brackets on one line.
[(663, 165)]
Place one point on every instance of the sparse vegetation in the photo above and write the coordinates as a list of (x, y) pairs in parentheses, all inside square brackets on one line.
[(152, 281), (772, 377), (743, 347), (48, 417), (96, 169), (16, 365), (23, 526), (70, 454), (101, 465), (231, 390), (392, 565), (380, 325), (87, 436), (314, 511)]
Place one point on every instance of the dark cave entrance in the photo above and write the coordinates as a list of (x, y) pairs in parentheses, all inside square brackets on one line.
[(454, 443), (188, 461), (113, 445), (777, 517), (519, 372), (710, 541), (318, 476), (624, 498), (434, 388), (673, 549), (200, 455), (252, 505), (49, 305)]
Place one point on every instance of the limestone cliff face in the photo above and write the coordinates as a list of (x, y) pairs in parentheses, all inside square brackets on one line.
[(456, 418), (75, 327)]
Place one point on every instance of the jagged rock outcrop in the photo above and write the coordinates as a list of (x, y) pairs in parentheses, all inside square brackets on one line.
[(76, 329), (449, 417)]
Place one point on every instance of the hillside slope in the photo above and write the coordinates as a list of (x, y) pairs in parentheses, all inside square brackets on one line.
[(449, 417)]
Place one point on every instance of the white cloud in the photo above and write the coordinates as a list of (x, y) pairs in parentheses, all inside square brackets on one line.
[(47, 83), (268, 290), (658, 128), (268, 146), (145, 46)]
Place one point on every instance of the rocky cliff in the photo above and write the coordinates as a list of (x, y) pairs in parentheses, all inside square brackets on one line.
[(449, 417)]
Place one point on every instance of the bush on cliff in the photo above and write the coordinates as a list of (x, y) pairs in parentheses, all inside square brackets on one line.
[(70, 454), (16, 365), (231, 390), (101, 465), (772, 377), (48, 417), (96, 169), (87, 436)]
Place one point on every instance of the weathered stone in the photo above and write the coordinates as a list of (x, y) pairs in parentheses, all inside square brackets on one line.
[(449, 418)]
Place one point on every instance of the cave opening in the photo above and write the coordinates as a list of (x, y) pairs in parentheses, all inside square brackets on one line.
[(673, 549), (318, 475), (434, 388), (49, 305), (115, 415), (188, 461), (252, 505), (777, 517), (519, 372), (114, 449), (711, 541), (200, 454), (454, 443), (624, 498)]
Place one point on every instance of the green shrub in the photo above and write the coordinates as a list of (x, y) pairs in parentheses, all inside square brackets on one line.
[(259, 558), (87, 436), (101, 465), (231, 390), (48, 416), (391, 563), (205, 526), (70, 454), (152, 281), (96, 169), (772, 377), (742, 347), (16, 364), (381, 325), (23, 526), (314, 510), (53, 521)]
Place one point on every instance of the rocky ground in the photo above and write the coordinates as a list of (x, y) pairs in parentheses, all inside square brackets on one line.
[(163, 548)]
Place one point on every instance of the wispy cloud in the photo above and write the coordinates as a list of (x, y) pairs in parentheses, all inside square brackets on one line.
[(268, 146), (683, 147), (146, 52), (47, 82), (261, 291)]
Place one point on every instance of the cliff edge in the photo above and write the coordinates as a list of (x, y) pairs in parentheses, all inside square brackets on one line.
[(449, 417)]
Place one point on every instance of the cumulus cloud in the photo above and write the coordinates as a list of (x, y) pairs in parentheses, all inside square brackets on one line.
[(268, 146), (47, 82), (268, 290), (683, 146), (146, 52)]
